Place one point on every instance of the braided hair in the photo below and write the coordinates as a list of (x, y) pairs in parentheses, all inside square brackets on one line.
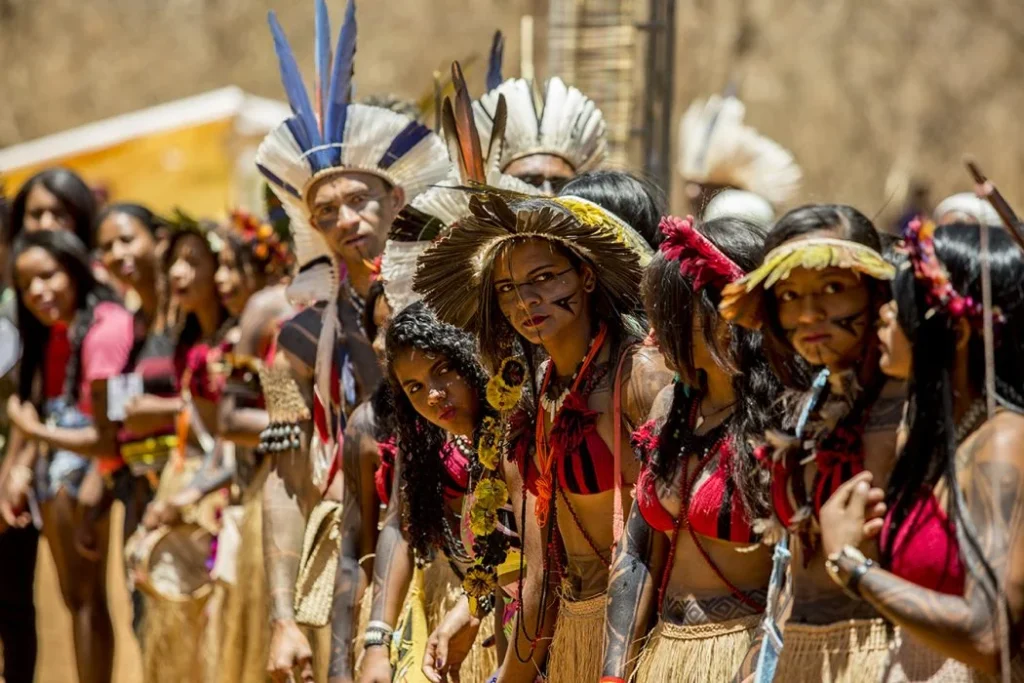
[(419, 441)]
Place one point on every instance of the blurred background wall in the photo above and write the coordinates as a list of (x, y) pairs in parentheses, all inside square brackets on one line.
[(870, 95)]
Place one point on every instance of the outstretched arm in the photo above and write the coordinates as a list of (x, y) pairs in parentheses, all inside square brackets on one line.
[(358, 536), (631, 594)]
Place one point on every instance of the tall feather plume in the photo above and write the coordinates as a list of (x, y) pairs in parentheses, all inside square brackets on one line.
[(341, 81), (496, 144), (306, 131), (322, 49), (494, 64), (459, 124)]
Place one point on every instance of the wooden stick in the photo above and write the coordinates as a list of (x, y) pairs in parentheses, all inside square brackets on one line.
[(987, 190)]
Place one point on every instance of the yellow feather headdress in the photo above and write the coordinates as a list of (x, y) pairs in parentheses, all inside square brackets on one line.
[(742, 300)]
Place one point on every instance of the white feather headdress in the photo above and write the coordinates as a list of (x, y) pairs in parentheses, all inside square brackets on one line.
[(563, 122), (718, 148)]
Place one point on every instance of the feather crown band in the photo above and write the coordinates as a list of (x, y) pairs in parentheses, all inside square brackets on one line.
[(919, 246), (699, 260), (742, 300), (449, 274), (718, 148), (328, 134), (563, 122)]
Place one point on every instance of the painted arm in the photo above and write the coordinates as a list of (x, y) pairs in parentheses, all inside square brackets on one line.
[(392, 573), (358, 537), (631, 594), (644, 377), (968, 628), (523, 659)]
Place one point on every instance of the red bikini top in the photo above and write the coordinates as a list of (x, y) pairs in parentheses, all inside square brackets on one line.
[(587, 470), (456, 470), (716, 508), (925, 550)]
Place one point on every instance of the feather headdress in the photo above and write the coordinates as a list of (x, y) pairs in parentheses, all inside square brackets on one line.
[(718, 148), (449, 275), (699, 260), (326, 135), (448, 201), (564, 122), (742, 301)]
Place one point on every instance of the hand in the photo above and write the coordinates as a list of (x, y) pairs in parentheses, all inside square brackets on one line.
[(854, 513), (14, 497), (376, 666), (289, 649), (161, 513), (23, 415), (450, 643)]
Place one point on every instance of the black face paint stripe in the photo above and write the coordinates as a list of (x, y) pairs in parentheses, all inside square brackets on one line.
[(566, 303), (848, 323)]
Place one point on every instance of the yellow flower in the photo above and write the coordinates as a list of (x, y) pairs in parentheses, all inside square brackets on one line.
[(506, 387), (490, 495), (482, 522), (487, 446), (479, 582), (264, 232)]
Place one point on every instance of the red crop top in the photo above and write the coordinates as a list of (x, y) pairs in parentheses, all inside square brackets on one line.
[(716, 509), (456, 470), (925, 550)]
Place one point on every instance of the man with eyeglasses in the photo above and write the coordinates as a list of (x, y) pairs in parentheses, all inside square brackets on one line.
[(342, 171)]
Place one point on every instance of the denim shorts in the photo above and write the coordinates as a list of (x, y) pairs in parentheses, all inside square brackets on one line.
[(62, 469)]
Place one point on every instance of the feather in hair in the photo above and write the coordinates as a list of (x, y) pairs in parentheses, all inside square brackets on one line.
[(303, 125), (322, 51), (471, 157), (494, 64), (341, 78), (699, 259)]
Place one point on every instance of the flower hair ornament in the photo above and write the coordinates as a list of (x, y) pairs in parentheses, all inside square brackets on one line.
[(269, 248), (919, 246), (699, 259)]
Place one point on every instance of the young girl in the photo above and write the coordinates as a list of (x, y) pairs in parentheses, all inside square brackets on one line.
[(80, 333), (690, 553), (815, 299), (440, 411), (949, 568)]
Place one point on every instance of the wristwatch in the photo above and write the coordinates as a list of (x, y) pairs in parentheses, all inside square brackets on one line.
[(849, 581)]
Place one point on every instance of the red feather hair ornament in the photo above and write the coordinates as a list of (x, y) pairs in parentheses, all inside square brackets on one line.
[(699, 259)]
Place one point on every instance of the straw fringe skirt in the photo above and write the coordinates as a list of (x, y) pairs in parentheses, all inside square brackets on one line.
[(913, 662), (699, 653), (442, 589), (577, 648), (854, 651), (246, 617)]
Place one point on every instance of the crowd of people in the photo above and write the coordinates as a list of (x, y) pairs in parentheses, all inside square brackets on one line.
[(464, 405)]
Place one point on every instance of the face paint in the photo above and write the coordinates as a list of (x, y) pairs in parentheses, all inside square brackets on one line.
[(825, 315), (539, 291)]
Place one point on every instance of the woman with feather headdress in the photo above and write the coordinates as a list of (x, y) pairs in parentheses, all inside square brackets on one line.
[(561, 278), (815, 299), (342, 172)]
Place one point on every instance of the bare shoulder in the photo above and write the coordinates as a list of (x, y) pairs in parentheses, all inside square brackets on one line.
[(362, 421), (265, 310), (645, 375), (662, 404), (999, 440)]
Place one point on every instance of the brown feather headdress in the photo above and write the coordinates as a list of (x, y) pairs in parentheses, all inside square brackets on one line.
[(449, 274)]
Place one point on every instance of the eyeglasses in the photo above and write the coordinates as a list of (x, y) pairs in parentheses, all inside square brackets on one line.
[(325, 216)]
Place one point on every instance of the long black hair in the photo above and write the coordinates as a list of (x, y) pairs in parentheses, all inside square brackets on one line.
[(851, 225), (149, 220), (189, 330), (419, 441), (74, 259), (672, 306), (638, 202), (930, 452), (68, 187)]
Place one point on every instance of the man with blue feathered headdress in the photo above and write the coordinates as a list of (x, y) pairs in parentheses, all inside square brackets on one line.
[(342, 171)]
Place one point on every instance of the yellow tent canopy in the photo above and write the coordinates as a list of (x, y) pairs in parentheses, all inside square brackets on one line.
[(196, 153)]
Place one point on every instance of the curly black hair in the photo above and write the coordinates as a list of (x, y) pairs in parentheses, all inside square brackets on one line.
[(672, 306), (420, 442)]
